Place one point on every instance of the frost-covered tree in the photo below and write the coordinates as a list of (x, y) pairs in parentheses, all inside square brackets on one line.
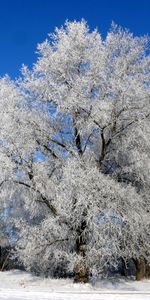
[(81, 155), (20, 139), (95, 223), (19, 156), (102, 87)]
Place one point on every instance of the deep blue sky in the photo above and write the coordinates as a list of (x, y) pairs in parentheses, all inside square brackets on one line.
[(24, 23)]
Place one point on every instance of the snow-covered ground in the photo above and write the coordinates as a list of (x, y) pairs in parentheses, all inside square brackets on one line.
[(17, 285)]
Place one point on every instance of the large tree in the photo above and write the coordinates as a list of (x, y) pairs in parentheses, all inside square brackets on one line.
[(82, 155)]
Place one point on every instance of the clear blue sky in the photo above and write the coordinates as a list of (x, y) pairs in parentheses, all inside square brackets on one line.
[(24, 23)]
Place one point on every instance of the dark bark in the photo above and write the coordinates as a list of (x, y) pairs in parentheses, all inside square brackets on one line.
[(5, 262), (124, 269), (147, 271), (78, 141), (30, 174), (140, 268), (103, 148), (81, 270)]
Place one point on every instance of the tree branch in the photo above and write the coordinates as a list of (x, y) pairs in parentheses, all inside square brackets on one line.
[(44, 199)]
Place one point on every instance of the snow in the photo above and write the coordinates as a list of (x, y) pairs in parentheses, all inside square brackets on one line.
[(18, 285)]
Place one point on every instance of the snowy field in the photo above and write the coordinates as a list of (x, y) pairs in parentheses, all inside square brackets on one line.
[(17, 285)]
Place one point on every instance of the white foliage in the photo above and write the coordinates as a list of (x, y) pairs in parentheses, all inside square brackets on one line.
[(89, 194)]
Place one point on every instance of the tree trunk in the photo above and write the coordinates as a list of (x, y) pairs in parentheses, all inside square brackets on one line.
[(140, 268), (78, 141), (81, 271), (124, 269), (147, 271)]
